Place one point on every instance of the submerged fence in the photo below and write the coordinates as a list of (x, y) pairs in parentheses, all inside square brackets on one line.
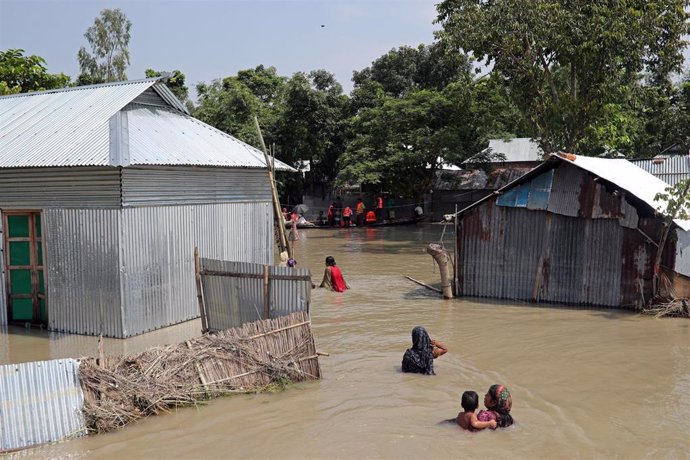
[(40, 402), (234, 293), (48, 401)]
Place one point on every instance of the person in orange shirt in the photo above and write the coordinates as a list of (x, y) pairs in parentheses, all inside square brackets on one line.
[(359, 211), (347, 215)]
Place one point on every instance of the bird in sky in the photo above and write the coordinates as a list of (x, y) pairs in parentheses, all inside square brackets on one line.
[(323, 25)]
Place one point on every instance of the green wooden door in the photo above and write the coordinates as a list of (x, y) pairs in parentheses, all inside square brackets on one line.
[(24, 267)]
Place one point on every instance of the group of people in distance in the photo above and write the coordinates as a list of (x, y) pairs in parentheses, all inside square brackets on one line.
[(498, 401)]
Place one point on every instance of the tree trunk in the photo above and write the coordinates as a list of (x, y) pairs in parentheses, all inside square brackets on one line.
[(442, 258)]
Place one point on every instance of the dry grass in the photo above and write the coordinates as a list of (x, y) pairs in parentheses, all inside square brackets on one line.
[(260, 356)]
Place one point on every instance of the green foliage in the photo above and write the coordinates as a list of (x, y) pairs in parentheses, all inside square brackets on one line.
[(675, 201), (175, 82), (565, 61), (231, 104), (108, 38), (22, 74)]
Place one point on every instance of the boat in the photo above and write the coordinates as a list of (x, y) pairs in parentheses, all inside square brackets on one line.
[(384, 223)]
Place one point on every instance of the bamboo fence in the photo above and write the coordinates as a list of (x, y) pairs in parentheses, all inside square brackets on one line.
[(259, 356)]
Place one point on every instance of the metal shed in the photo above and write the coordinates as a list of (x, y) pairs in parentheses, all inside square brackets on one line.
[(105, 190), (574, 230)]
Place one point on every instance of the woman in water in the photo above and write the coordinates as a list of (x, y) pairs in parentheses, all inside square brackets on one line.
[(420, 358), (498, 403), (332, 277)]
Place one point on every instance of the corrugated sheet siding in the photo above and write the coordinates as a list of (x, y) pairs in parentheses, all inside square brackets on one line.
[(682, 263), (515, 253), (158, 277), (565, 192), (236, 231), (150, 97), (671, 170), (158, 243), (234, 301), (39, 188), (40, 402), (3, 299), (82, 255), (193, 185)]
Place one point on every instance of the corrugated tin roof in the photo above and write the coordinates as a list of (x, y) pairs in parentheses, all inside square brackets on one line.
[(71, 127), (514, 150), (669, 168), (622, 173), (166, 137)]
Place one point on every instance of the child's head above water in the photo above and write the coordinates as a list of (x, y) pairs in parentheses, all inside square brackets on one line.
[(470, 401)]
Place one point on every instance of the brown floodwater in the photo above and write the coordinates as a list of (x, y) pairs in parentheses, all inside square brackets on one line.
[(586, 383)]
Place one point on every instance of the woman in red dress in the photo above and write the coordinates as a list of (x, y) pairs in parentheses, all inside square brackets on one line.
[(332, 277)]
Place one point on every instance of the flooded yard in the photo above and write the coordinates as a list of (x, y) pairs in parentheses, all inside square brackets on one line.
[(585, 382)]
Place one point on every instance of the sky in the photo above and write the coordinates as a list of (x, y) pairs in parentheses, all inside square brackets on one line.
[(210, 39)]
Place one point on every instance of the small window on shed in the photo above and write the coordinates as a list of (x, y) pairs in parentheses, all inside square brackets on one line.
[(533, 194)]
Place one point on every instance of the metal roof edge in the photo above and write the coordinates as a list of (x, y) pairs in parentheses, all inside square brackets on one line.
[(168, 96), (82, 88)]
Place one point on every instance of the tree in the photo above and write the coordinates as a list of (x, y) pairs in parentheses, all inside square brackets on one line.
[(175, 82), (566, 61), (108, 38), (230, 104), (311, 126), (22, 74)]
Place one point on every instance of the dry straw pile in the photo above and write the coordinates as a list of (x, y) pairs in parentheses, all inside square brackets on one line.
[(258, 356)]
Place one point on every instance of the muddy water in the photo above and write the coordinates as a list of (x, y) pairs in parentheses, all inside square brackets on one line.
[(585, 383)]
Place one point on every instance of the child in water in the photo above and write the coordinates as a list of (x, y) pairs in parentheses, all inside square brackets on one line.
[(467, 419)]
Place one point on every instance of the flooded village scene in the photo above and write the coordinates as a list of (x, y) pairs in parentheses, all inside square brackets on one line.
[(344, 230)]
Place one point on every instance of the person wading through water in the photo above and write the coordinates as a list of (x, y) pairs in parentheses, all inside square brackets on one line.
[(332, 277), (420, 358)]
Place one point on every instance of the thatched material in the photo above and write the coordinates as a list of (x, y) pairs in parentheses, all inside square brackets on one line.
[(667, 303), (255, 357)]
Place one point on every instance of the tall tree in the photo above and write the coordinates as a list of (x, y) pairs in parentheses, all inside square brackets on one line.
[(21, 74), (230, 104), (565, 61), (108, 38), (311, 125)]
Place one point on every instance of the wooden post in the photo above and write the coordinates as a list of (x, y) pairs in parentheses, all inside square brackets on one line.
[(267, 294), (442, 258), (101, 354), (199, 291), (284, 245)]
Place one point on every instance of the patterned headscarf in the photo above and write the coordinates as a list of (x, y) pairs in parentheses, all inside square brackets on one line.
[(419, 358), (503, 402)]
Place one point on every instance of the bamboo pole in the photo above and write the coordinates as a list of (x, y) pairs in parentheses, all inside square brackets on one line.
[(267, 294), (284, 245), (199, 291), (424, 284)]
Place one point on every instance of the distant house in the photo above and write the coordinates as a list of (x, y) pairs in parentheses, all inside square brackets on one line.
[(105, 191), (670, 168), (507, 160), (574, 230)]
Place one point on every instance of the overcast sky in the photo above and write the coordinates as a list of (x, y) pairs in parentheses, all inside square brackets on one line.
[(214, 39)]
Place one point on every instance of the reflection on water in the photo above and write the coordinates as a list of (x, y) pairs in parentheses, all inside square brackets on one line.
[(585, 382)]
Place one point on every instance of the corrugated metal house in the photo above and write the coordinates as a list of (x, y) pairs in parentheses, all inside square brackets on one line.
[(105, 190), (574, 230), (507, 159), (670, 168)]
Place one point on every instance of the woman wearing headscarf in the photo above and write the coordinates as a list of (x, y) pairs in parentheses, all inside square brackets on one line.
[(498, 403), (420, 358)]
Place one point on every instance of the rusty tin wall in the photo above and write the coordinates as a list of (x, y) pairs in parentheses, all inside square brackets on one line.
[(158, 287), (40, 402), (235, 300), (82, 255), (514, 253)]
